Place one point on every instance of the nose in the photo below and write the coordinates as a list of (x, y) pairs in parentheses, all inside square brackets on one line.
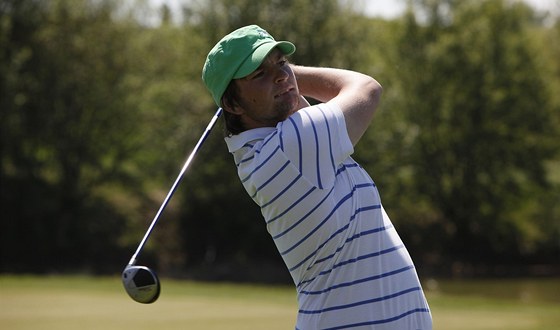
[(281, 75)]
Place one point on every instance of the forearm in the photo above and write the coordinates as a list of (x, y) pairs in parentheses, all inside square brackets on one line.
[(356, 94), (323, 84)]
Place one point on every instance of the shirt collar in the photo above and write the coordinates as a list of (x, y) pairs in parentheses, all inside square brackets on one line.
[(236, 142)]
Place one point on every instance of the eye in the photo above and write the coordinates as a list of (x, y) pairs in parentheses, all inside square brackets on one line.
[(256, 74), (283, 62)]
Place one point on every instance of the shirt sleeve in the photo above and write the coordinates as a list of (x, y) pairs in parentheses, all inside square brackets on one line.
[(316, 141)]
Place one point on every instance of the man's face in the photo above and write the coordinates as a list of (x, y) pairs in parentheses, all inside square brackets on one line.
[(268, 95)]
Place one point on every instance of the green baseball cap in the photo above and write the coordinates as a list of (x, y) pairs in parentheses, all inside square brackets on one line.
[(237, 55)]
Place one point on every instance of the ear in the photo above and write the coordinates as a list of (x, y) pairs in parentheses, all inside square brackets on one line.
[(232, 107)]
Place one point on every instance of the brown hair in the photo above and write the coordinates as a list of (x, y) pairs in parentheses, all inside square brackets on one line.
[(232, 121)]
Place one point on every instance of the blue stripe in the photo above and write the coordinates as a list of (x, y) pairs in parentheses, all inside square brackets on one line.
[(247, 159), (271, 178), (269, 138), (280, 137), (319, 183), (342, 201), (299, 221), (250, 146), (343, 168), (365, 256), (330, 140), (261, 165), (353, 260), (348, 240), (392, 319), (292, 206), (257, 151), (371, 231), (360, 303), (332, 237), (362, 280), (281, 193), (346, 166), (300, 148)]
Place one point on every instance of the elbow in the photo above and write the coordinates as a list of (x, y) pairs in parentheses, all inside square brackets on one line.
[(379, 88), (375, 90)]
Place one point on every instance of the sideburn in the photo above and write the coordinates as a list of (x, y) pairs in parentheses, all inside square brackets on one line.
[(233, 124)]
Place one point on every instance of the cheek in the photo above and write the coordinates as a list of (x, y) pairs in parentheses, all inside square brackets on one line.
[(253, 94)]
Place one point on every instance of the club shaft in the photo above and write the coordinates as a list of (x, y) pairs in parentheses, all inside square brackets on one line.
[(205, 135)]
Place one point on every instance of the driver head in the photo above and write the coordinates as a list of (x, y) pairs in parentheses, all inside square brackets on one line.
[(141, 284)]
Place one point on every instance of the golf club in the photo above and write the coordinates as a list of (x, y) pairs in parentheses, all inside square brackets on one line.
[(140, 282)]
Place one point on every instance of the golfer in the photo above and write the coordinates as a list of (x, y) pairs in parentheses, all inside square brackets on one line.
[(323, 211)]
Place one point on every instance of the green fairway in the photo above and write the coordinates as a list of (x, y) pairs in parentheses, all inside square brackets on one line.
[(71, 302)]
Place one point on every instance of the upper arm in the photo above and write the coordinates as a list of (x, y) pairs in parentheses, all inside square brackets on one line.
[(316, 142), (358, 102)]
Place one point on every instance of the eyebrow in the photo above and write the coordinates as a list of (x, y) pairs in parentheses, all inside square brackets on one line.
[(273, 56), (278, 52)]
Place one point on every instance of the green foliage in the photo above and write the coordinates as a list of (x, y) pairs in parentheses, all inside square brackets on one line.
[(69, 302), (484, 126), (99, 107), (65, 130)]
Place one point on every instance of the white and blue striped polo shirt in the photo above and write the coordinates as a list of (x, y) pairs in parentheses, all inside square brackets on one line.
[(325, 216)]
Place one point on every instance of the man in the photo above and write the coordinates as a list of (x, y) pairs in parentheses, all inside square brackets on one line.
[(323, 211)]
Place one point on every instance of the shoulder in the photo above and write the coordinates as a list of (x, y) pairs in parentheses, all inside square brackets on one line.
[(319, 112), (238, 141), (319, 119)]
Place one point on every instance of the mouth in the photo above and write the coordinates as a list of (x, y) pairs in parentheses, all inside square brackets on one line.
[(284, 92)]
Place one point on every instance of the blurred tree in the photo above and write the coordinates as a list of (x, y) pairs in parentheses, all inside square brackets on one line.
[(173, 110), (479, 106), (65, 129), (315, 27), (100, 103)]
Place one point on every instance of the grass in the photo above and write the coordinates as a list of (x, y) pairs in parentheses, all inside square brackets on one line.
[(496, 304), (101, 303), (74, 302)]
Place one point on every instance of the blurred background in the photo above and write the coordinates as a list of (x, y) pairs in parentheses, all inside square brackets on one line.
[(101, 101)]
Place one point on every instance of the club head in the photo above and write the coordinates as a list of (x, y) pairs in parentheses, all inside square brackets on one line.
[(141, 284)]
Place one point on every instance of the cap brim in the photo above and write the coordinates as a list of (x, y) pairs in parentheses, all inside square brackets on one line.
[(256, 58)]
